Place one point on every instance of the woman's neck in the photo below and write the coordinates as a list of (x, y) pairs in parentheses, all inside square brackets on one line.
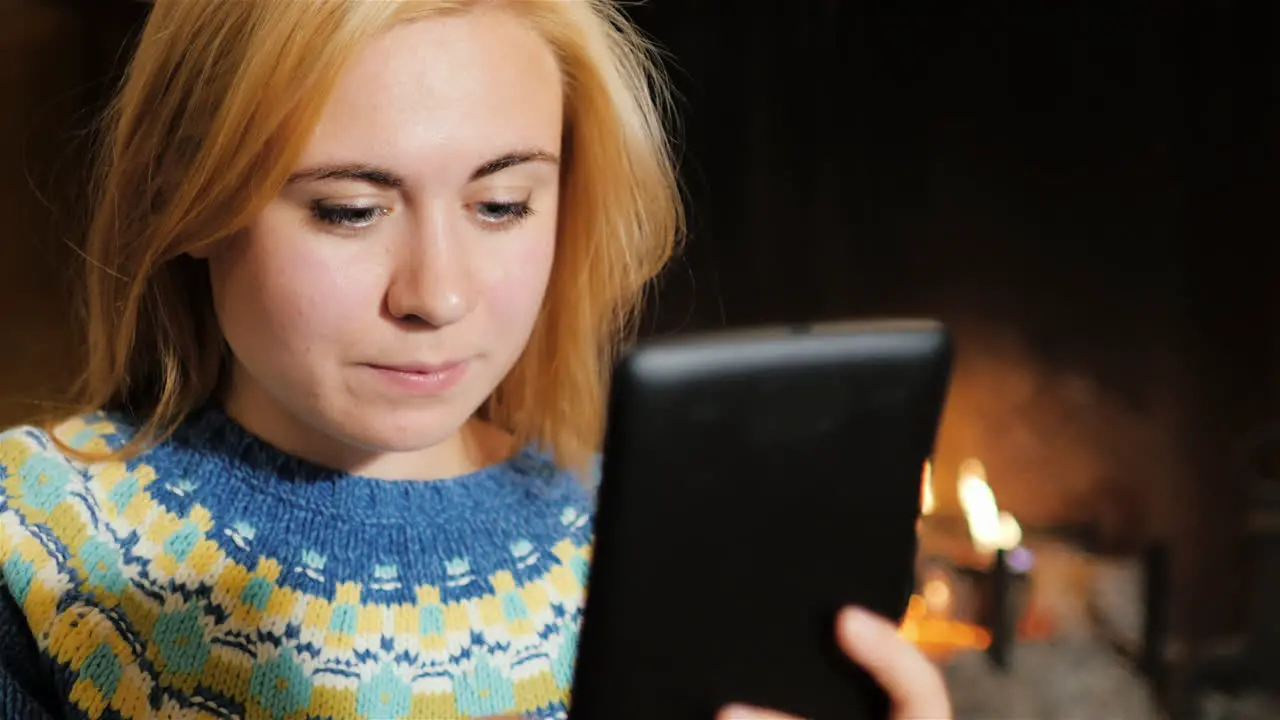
[(475, 445)]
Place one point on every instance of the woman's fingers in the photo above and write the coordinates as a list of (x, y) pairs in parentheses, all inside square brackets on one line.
[(747, 712), (914, 685)]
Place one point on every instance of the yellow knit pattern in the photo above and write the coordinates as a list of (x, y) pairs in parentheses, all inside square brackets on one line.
[(127, 639)]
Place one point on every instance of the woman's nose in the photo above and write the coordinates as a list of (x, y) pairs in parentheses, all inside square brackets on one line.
[(431, 283)]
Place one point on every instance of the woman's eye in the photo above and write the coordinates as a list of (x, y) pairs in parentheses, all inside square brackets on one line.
[(502, 213), (348, 216)]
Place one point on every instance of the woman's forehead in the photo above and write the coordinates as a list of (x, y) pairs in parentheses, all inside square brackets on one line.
[(444, 93)]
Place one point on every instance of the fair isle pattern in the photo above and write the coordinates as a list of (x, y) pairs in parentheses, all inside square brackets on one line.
[(148, 614)]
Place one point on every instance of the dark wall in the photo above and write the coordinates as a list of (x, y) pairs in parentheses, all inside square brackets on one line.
[(58, 62), (40, 73), (1078, 172)]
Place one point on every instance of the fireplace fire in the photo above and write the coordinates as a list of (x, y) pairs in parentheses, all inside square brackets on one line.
[(972, 588), (935, 620)]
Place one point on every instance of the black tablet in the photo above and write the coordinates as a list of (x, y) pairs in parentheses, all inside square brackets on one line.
[(753, 484)]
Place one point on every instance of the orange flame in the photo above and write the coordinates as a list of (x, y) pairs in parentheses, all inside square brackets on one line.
[(927, 503), (936, 634), (990, 528)]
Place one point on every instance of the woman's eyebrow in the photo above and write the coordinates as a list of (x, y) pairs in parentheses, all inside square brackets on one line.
[(511, 159), (366, 173), (383, 177)]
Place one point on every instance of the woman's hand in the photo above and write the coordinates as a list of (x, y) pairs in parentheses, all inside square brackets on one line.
[(915, 687)]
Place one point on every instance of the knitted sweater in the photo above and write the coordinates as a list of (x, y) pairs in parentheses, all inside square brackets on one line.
[(216, 577)]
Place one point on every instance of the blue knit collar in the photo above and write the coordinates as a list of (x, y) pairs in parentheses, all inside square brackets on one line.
[(211, 444)]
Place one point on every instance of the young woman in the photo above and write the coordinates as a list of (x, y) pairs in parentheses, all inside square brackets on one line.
[(356, 273)]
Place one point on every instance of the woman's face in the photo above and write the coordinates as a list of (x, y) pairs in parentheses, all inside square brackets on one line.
[(381, 297)]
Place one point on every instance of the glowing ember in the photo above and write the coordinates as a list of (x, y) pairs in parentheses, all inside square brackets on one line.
[(928, 623), (938, 635), (937, 596)]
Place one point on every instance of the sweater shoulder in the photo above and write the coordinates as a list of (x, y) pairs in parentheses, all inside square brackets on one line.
[(83, 439)]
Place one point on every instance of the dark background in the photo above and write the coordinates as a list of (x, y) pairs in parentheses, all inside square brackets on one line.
[(1082, 190)]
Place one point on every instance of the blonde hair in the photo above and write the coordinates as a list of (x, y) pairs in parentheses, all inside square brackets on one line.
[(213, 113)]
